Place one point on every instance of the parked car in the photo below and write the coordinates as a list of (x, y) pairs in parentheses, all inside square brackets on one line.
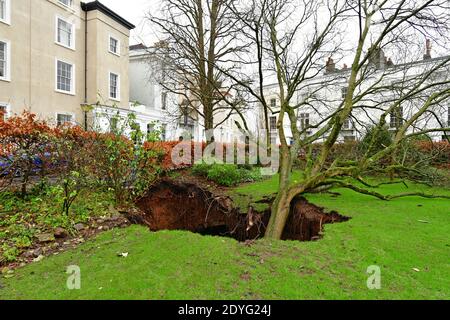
[(7, 161)]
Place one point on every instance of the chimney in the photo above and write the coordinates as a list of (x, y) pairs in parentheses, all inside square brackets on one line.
[(330, 66), (427, 54), (345, 66), (389, 62), (378, 58)]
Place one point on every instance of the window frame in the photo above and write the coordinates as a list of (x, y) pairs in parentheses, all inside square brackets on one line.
[(273, 105), (150, 127), (7, 76), (73, 77), (164, 96), (117, 98), (7, 18), (7, 108), (305, 121), (448, 115), (72, 33), (109, 45), (164, 132), (273, 128), (396, 118), (69, 5), (70, 114), (348, 124)]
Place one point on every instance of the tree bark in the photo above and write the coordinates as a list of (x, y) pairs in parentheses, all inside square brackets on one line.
[(282, 203)]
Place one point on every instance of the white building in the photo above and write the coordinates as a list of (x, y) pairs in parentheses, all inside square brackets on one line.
[(322, 95), (158, 109)]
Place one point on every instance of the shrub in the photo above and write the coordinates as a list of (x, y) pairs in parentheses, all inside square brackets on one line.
[(250, 174), (439, 151), (78, 158), (226, 175), (201, 169), (375, 140), (126, 167)]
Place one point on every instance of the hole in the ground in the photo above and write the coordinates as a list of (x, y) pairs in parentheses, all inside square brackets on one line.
[(181, 206)]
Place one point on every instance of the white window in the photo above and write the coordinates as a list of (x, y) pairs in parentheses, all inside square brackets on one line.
[(65, 77), (304, 121), (114, 45), (3, 111), (164, 100), (114, 86), (164, 132), (396, 118), (67, 3), (114, 125), (62, 119), (273, 123), (65, 33), (273, 103), (348, 124), (5, 11), (344, 92), (5, 60), (448, 116)]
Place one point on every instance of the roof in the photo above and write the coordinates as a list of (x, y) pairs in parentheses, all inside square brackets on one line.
[(139, 46), (342, 72), (97, 5)]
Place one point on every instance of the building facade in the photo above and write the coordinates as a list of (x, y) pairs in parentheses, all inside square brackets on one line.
[(158, 109), (60, 59), (321, 96)]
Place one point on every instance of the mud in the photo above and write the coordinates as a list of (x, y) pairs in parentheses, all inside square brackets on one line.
[(172, 205)]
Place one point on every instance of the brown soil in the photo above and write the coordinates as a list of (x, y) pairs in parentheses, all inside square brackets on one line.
[(172, 205)]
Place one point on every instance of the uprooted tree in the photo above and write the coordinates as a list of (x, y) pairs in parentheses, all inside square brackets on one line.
[(290, 40)]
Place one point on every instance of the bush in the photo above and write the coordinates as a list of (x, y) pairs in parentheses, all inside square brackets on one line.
[(250, 175), (227, 174), (124, 165), (439, 151), (375, 140), (79, 159), (201, 169)]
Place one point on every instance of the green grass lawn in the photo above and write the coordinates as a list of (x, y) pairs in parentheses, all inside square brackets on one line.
[(182, 265)]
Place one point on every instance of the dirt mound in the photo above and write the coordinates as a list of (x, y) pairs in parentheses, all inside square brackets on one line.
[(172, 205)]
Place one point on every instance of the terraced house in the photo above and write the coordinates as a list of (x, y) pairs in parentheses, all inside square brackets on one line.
[(63, 59), (320, 96)]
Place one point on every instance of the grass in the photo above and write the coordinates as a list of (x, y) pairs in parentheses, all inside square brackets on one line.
[(254, 193), (182, 265)]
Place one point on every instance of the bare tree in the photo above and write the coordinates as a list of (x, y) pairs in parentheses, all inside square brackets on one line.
[(197, 37), (293, 37)]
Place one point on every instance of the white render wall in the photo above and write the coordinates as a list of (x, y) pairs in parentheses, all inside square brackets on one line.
[(146, 96), (328, 89)]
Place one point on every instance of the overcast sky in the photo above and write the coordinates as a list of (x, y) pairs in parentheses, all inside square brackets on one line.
[(135, 11)]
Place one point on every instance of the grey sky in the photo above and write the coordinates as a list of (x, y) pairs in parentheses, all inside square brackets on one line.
[(135, 11)]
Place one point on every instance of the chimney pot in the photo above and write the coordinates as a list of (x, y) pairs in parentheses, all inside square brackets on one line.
[(330, 66), (428, 46)]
